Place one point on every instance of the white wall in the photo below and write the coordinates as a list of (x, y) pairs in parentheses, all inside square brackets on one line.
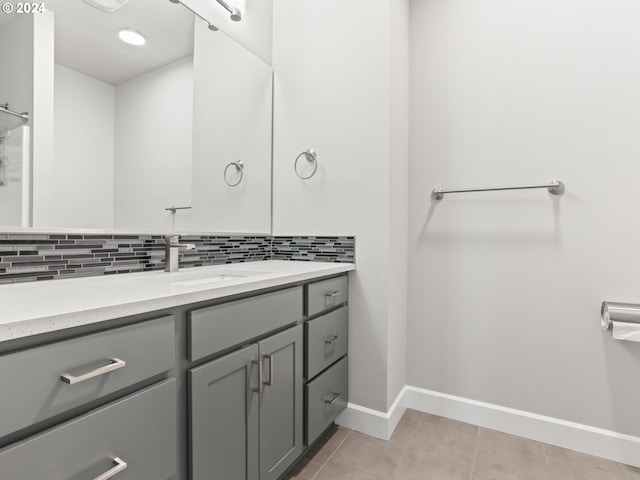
[(153, 135), (505, 288), (16, 49), (232, 121), (332, 63), (398, 196), (83, 151), (42, 145)]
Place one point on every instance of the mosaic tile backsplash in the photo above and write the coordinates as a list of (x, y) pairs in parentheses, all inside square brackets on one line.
[(32, 257)]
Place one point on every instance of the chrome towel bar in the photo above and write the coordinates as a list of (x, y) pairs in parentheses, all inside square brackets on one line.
[(5, 108), (555, 187)]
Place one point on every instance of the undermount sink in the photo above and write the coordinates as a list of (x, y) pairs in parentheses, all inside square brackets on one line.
[(196, 277)]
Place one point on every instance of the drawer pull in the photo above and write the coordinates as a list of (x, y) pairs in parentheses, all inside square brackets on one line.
[(333, 294), (270, 382), (331, 401), (332, 340), (120, 466), (260, 384), (115, 364)]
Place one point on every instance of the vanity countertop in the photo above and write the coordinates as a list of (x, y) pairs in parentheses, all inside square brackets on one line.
[(39, 307)]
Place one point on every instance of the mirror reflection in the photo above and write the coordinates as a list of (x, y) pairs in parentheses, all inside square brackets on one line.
[(124, 135)]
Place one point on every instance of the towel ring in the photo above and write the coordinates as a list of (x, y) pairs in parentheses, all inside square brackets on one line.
[(310, 156), (239, 168)]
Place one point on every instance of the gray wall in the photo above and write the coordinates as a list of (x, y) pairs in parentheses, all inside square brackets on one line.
[(333, 85), (505, 288)]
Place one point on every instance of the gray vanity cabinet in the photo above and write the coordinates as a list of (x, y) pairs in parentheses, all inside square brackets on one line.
[(327, 341), (246, 411)]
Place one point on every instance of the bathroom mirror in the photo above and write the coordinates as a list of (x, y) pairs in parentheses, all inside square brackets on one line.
[(139, 129)]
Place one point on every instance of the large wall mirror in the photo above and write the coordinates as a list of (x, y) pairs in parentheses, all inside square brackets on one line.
[(119, 134)]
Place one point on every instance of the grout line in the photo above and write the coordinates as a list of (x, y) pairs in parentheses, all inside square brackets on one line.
[(546, 455), (332, 454), (406, 448), (475, 453)]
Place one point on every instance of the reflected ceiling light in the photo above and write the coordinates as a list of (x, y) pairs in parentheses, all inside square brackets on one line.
[(132, 37), (108, 6)]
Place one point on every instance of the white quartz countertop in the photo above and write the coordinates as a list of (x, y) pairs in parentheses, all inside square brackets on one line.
[(39, 307)]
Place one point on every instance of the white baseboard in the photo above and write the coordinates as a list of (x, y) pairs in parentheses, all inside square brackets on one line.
[(574, 436), (373, 422)]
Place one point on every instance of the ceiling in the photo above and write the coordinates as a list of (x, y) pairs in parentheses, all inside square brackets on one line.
[(86, 39)]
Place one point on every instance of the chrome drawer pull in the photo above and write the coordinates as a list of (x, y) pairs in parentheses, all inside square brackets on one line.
[(333, 400), (332, 340), (120, 466), (270, 382), (115, 364), (260, 384), (333, 294)]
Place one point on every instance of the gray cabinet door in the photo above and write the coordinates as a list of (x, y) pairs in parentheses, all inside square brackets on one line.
[(281, 415), (224, 417)]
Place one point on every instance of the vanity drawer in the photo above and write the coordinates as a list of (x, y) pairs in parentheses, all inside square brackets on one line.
[(326, 294), (33, 388), (327, 396), (217, 328), (139, 430), (327, 340)]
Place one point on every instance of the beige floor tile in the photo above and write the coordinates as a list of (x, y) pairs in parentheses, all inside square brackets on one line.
[(411, 417), (303, 470), (369, 454), (447, 422), (407, 472), (336, 471), (440, 453), (630, 473), (478, 476), (327, 444), (563, 470), (507, 457), (583, 459)]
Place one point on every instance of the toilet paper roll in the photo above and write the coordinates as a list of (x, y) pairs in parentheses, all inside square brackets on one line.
[(619, 312), (626, 331)]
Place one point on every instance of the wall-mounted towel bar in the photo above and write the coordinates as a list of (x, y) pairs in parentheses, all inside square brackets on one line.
[(5, 108), (555, 187)]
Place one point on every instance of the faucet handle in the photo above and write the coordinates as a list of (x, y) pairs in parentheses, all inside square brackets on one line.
[(173, 241), (170, 239)]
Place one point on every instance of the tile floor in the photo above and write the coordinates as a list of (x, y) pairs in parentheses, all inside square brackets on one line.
[(427, 447)]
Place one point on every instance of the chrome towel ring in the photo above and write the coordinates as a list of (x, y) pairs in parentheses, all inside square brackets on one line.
[(239, 168), (310, 156)]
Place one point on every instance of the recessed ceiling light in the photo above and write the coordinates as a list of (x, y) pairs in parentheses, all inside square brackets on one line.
[(109, 6), (132, 37)]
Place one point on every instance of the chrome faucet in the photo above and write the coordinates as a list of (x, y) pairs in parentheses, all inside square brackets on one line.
[(171, 249)]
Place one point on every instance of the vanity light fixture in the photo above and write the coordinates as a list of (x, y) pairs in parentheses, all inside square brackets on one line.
[(132, 37), (108, 6)]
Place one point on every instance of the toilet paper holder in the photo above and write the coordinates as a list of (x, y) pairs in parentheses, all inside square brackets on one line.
[(619, 312)]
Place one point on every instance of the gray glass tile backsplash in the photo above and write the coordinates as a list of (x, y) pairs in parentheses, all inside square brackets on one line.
[(32, 257)]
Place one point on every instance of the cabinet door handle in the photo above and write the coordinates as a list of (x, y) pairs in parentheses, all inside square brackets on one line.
[(333, 294), (260, 384), (270, 382), (332, 340), (334, 399), (114, 364), (120, 466)]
